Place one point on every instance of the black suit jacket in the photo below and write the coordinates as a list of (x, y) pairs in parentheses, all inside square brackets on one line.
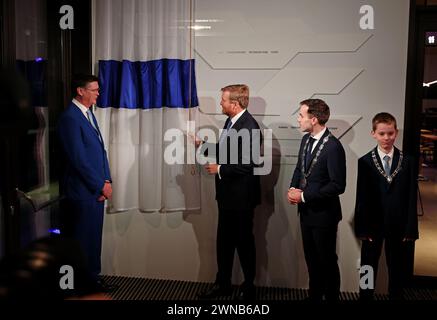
[(238, 188), (326, 182), (384, 209)]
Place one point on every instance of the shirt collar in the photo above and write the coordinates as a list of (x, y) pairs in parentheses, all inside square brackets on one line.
[(319, 136), (80, 106), (237, 116), (382, 153)]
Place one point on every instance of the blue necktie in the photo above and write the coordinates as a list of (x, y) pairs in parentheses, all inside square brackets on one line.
[(387, 165), (225, 131), (90, 119)]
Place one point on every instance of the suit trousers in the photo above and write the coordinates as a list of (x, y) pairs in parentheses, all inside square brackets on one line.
[(395, 254), (234, 231), (83, 221), (319, 244)]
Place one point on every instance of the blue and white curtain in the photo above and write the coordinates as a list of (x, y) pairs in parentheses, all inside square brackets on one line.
[(143, 58)]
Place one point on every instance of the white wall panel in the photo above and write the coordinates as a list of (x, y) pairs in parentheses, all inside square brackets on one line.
[(286, 51)]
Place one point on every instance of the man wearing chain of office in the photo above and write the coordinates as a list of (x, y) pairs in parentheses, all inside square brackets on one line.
[(318, 180)]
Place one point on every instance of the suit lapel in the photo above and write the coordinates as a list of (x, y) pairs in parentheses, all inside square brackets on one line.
[(99, 134), (395, 161), (313, 153), (378, 158), (394, 165), (236, 126), (83, 118), (226, 123), (239, 123)]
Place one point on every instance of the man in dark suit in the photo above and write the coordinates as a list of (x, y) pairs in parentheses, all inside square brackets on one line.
[(318, 180), (386, 206), (237, 191), (85, 183)]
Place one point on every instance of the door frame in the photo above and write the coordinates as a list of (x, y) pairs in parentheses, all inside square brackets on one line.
[(69, 51), (422, 18)]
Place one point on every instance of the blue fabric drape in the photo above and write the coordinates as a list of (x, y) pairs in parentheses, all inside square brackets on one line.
[(147, 84)]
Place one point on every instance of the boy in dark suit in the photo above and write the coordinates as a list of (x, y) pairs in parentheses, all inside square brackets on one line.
[(318, 180), (386, 205)]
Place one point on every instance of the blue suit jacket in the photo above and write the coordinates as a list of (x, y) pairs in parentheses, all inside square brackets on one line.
[(84, 159)]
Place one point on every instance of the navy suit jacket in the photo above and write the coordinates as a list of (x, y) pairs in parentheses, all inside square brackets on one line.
[(327, 181), (386, 209), (84, 159), (238, 188)]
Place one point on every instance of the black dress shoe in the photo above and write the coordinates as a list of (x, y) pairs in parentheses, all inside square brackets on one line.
[(395, 297), (247, 293), (215, 291), (313, 299), (366, 298), (106, 287)]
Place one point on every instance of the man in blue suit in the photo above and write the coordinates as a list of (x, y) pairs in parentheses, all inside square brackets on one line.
[(85, 183), (318, 180)]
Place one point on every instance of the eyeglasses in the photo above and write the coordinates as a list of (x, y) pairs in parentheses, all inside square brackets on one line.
[(93, 90)]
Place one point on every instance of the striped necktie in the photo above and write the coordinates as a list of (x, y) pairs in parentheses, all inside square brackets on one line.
[(387, 165), (91, 119), (309, 151)]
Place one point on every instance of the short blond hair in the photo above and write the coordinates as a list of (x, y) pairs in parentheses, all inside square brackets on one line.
[(239, 93)]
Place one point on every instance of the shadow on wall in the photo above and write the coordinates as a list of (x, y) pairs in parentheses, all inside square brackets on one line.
[(348, 246), (204, 221), (205, 224), (264, 212)]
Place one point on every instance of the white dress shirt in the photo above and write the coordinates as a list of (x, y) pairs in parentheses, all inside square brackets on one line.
[(81, 108), (316, 138), (382, 154)]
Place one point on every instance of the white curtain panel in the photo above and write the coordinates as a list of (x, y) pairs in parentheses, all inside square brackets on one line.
[(147, 80)]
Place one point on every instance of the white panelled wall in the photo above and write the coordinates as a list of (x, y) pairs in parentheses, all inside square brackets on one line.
[(285, 51)]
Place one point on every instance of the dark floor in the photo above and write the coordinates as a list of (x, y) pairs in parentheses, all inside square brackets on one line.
[(425, 262), (168, 290)]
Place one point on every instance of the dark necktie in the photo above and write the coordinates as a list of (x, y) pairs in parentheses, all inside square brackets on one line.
[(308, 152), (225, 131)]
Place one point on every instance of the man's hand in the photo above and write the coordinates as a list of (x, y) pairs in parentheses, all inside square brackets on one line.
[(194, 139), (294, 196), (106, 192), (211, 168)]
